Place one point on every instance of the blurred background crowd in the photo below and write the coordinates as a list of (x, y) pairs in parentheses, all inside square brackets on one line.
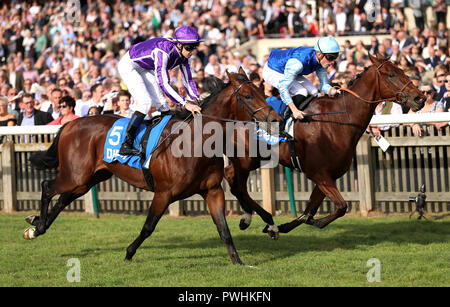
[(60, 57)]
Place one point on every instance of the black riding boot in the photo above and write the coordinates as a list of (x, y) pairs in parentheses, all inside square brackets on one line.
[(127, 146)]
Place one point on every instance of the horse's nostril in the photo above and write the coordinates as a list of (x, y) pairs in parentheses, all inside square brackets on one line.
[(420, 99)]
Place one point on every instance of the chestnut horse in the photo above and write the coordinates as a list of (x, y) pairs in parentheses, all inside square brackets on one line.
[(325, 143), (78, 151)]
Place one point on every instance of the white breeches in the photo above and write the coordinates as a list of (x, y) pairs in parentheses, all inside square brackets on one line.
[(142, 85), (300, 86)]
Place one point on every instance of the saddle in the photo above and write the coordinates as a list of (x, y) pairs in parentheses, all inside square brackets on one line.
[(146, 141)]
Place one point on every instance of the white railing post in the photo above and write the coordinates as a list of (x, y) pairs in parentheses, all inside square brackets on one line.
[(9, 177)]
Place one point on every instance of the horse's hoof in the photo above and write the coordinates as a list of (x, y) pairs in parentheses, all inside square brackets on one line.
[(29, 233), (30, 219), (272, 231), (245, 222), (243, 225), (274, 235)]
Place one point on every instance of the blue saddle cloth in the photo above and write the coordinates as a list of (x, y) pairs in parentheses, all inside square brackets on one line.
[(116, 136), (261, 134)]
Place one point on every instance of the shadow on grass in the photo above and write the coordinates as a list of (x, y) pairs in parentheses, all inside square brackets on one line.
[(301, 240)]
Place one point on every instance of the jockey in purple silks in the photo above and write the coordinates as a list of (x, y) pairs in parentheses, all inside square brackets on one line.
[(145, 71)]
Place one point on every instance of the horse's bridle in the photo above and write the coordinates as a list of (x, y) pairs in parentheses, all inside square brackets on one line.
[(246, 108), (399, 96)]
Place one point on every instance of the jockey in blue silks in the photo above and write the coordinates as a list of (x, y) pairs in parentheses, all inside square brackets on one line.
[(145, 71), (285, 70)]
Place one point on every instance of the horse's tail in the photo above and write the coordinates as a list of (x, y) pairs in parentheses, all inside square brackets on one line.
[(48, 159)]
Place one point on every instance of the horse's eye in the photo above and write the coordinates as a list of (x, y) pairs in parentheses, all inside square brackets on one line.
[(391, 75), (248, 97)]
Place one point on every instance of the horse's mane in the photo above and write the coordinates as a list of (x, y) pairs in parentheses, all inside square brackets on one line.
[(182, 113), (358, 76)]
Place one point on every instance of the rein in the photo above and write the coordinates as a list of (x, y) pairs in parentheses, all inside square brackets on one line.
[(399, 96), (395, 98), (241, 102)]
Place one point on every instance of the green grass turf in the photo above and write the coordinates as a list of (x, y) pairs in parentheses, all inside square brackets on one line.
[(187, 251)]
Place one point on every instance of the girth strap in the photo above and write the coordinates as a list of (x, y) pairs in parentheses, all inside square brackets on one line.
[(146, 172)]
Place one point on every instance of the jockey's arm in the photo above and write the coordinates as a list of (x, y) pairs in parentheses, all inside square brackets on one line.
[(188, 82), (292, 69), (163, 81), (324, 83)]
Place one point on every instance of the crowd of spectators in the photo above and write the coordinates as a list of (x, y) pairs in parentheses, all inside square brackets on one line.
[(60, 57)]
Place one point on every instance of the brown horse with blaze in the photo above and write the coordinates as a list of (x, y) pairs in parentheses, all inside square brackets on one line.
[(325, 143)]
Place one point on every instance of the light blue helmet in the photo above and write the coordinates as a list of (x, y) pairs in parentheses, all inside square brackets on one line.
[(327, 44)]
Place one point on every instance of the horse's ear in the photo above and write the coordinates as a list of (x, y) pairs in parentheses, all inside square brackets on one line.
[(374, 59), (231, 77), (383, 59), (242, 72)]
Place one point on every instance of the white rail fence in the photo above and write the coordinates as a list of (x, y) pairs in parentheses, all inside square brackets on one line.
[(357, 185)]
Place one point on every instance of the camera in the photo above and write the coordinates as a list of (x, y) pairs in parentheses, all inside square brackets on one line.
[(420, 201)]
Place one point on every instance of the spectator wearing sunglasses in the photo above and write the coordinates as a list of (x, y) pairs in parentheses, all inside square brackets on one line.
[(430, 106), (66, 106), (144, 70), (446, 96), (286, 70)]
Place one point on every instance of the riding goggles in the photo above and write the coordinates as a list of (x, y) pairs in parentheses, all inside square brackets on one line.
[(331, 56), (190, 47)]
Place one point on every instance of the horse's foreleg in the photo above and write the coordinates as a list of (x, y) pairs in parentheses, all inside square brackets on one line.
[(215, 199), (235, 190), (315, 200), (159, 204), (237, 178)]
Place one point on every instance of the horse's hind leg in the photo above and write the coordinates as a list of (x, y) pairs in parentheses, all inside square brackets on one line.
[(315, 200), (46, 218), (159, 204), (215, 199), (42, 224), (330, 190), (47, 194)]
